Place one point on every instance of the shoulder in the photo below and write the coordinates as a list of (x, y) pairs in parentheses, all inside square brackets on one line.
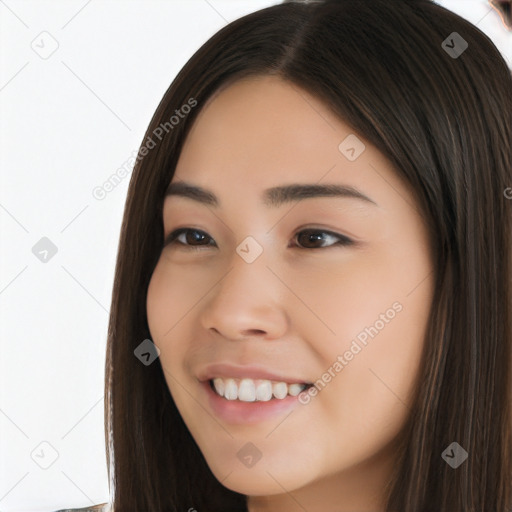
[(103, 507)]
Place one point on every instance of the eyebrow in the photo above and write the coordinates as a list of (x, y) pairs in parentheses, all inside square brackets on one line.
[(272, 197)]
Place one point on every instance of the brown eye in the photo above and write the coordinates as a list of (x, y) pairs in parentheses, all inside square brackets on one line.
[(307, 238), (188, 237), (319, 239)]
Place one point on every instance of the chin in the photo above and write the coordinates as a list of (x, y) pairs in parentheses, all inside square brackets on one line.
[(257, 484), (263, 479)]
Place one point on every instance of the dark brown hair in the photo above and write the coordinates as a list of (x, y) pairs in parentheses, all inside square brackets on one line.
[(444, 121)]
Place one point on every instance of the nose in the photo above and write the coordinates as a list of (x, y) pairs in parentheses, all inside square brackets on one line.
[(247, 302)]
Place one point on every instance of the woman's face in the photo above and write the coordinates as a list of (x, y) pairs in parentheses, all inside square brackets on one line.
[(283, 286)]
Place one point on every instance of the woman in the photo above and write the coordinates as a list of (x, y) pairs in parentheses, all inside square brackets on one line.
[(312, 299)]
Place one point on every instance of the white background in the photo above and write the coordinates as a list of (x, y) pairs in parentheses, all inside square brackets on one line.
[(68, 121)]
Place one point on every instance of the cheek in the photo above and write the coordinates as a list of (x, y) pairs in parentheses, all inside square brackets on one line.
[(350, 292), (167, 302), (172, 302), (368, 400), (170, 297), (158, 302), (378, 307)]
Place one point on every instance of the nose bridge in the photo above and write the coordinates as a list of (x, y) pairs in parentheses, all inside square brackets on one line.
[(248, 269), (248, 298)]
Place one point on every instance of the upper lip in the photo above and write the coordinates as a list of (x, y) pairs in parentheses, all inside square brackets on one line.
[(226, 370)]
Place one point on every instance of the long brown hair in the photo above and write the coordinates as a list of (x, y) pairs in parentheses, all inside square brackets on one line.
[(395, 72)]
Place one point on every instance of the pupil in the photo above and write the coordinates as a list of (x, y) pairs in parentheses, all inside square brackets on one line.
[(196, 236), (313, 237)]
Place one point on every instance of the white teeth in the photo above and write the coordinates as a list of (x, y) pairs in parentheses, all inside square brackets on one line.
[(264, 391), (230, 389), (219, 386), (279, 389), (249, 390), (295, 389)]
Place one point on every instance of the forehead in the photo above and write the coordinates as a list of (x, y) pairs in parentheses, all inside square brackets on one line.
[(264, 119), (262, 132)]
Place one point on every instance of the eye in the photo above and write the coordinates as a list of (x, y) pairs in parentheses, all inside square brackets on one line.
[(309, 239), (188, 237)]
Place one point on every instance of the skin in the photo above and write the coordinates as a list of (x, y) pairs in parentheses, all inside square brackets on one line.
[(296, 308)]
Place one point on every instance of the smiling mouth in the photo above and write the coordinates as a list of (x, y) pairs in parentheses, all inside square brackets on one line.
[(255, 390)]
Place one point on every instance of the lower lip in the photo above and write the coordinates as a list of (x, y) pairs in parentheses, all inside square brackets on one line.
[(237, 412)]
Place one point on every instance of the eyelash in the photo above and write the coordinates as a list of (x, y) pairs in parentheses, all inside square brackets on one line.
[(172, 238)]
